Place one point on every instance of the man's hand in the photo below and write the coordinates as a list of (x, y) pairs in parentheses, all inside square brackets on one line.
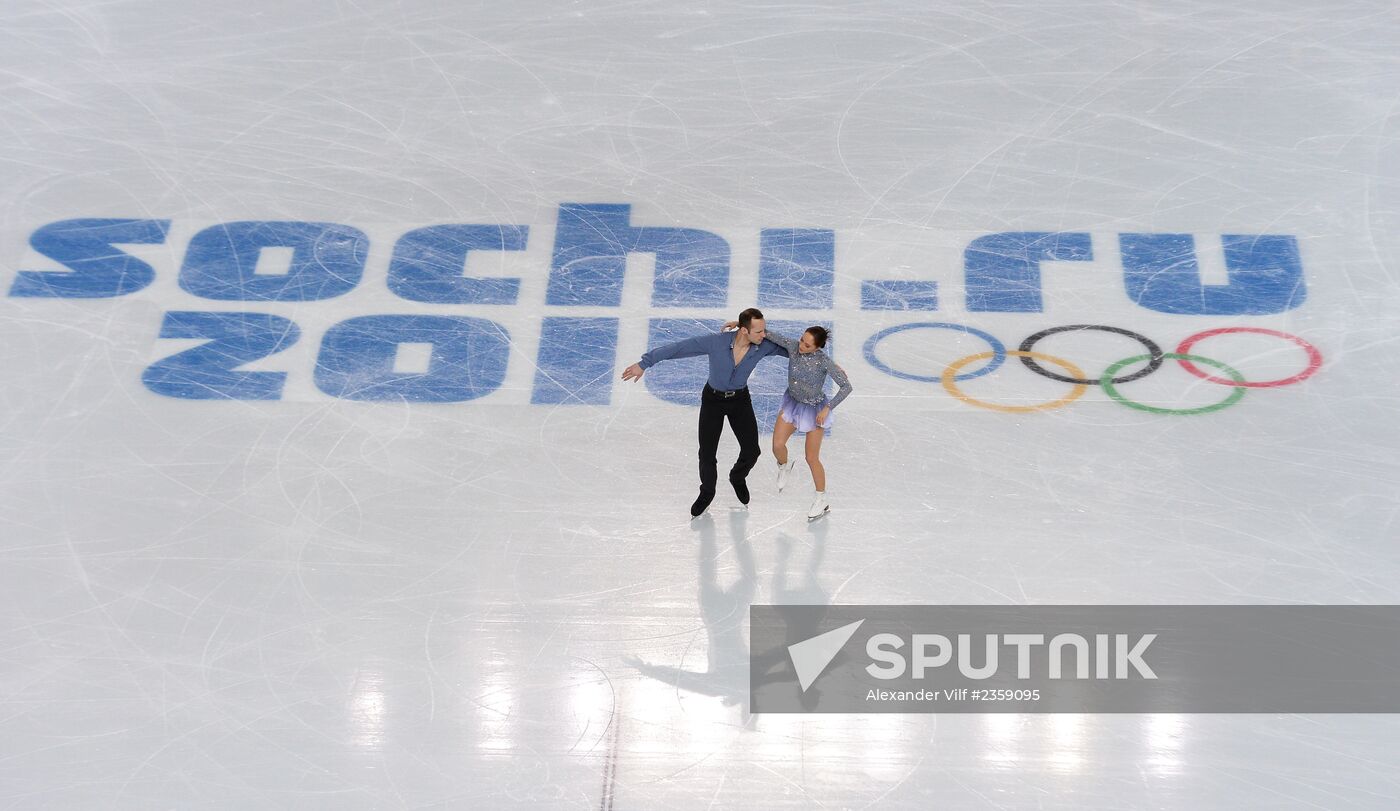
[(633, 372)]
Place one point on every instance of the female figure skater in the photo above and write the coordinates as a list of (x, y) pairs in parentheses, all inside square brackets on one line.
[(805, 407)]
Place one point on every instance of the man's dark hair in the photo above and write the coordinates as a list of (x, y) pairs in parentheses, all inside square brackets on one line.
[(747, 317), (819, 335)]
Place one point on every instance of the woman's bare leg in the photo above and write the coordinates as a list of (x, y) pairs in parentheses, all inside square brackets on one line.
[(814, 459), (782, 432)]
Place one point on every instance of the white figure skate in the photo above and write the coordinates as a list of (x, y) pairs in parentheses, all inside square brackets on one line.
[(783, 471)]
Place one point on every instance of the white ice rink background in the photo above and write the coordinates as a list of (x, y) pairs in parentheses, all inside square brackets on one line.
[(397, 536)]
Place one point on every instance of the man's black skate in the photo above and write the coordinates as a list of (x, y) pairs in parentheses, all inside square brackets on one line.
[(741, 489), (702, 502)]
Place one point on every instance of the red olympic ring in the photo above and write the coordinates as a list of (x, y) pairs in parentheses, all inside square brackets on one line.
[(1314, 357)]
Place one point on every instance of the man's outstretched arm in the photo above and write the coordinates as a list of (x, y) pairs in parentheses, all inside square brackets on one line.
[(688, 348)]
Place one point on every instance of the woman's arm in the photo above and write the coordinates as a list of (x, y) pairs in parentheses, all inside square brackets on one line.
[(789, 345), (786, 343), (838, 375)]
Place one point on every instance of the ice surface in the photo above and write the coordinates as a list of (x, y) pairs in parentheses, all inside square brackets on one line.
[(346, 597)]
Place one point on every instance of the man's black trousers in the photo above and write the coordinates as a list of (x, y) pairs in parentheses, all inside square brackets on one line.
[(738, 409)]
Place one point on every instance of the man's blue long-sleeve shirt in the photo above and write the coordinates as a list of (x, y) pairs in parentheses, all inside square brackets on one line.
[(724, 374)]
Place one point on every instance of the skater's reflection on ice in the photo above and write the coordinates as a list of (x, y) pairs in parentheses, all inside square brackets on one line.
[(724, 611)]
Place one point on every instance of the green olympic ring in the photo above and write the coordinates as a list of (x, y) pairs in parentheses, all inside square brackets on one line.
[(1236, 393)]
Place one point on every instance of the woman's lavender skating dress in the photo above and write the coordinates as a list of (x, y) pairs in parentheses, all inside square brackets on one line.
[(807, 375)]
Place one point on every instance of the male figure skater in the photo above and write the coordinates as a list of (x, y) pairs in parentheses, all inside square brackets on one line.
[(733, 355)]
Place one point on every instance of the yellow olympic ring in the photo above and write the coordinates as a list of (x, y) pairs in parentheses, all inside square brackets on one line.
[(950, 383)]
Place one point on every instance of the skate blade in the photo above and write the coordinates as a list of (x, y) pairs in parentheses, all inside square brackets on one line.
[(812, 518)]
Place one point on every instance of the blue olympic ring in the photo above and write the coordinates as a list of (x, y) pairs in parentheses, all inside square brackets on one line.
[(998, 350)]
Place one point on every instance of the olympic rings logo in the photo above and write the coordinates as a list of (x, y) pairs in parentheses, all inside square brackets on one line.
[(1109, 380)]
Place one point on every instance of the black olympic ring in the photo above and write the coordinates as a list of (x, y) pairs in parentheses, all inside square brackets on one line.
[(1154, 351)]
